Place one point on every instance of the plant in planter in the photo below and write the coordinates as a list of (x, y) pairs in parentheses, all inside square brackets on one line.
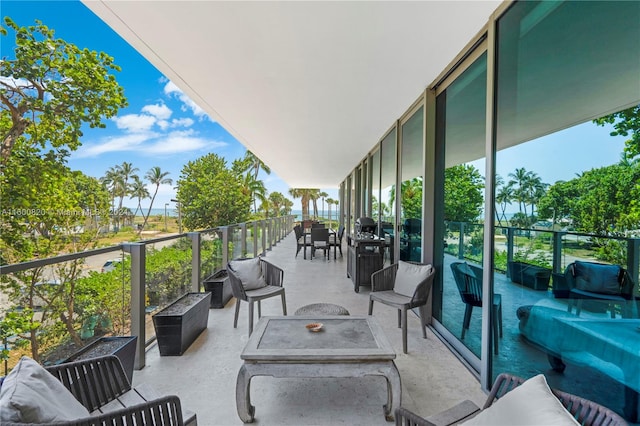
[(180, 323), (124, 347)]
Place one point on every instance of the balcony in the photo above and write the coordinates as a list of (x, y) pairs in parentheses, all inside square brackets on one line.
[(433, 376), (205, 376)]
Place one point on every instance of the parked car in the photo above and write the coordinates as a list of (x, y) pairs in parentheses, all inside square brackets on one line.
[(110, 265)]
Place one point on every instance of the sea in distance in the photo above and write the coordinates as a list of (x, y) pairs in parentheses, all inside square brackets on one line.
[(174, 212)]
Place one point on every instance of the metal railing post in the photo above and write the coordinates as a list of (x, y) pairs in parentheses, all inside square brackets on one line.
[(263, 224), (195, 260), (225, 245), (557, 251), (243, 237), (461, 242), (510, 234), (633, 261), (138, 268), (255, 239)]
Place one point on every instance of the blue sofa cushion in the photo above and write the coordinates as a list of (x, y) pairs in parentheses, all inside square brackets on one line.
[(597, 277)]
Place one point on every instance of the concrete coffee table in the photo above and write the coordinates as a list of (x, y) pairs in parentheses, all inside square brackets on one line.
[(347, 346)]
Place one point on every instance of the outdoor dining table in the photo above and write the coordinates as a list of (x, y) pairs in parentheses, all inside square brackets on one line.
[(345, 346)]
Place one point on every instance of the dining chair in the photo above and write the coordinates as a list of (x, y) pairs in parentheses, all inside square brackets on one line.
[(253, 280), (468, 279), (404, 286), (320, 240), (335, 240)]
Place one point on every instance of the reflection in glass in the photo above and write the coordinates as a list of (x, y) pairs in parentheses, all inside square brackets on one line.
[(386, 203), (461, 109), (564, 190), (411, 189)]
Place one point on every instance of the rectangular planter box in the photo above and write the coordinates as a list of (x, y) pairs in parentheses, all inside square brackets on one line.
[(124, 347), (219, 286), (528, 275), (180, 323)]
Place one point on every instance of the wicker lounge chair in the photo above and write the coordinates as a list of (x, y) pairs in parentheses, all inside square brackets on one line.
[(102, 387), (586, 412)]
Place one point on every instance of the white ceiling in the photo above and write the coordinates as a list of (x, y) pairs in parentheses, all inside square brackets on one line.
[(309, 87)]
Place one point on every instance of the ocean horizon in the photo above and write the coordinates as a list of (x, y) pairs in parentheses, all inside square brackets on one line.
[(174, 213)]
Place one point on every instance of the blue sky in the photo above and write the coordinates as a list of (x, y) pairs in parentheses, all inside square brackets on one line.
[(160, 127)]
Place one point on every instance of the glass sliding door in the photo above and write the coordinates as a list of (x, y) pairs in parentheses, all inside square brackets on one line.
[(567, 173), (386, 202), (461, 117), (412, 169), (375, 186)]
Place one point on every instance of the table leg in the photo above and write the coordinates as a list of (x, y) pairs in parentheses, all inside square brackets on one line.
[(394, 391), (246, 411)]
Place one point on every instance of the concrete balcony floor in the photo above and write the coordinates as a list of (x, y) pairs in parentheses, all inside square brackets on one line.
[(204, 377)]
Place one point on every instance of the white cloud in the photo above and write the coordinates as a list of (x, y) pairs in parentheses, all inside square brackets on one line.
[(182, 122), (171, 89), (160, 111), (178, 142), (135, 122), (128, 142)]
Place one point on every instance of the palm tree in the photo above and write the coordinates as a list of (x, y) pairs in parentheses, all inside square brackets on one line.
[(156, 177), (503, 198), (139, 191), (287, 205), (126, 171), (329, 203), (518, 182), (252, 166), (277, 201), (255, 189), (113, 182), (323, 195), (305, 195), (314, 195)]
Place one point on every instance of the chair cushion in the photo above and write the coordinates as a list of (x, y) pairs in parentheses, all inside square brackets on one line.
[(30, 394), (249, 272), (531, 403), (409, 276), (597, 278)]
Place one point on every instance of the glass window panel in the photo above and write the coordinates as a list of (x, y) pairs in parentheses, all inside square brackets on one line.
[(411, 189), (563, 191), (387, 192), (461, 109)]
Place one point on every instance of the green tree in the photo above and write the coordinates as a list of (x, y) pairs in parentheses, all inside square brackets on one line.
[(305, 195), (323, 195), (139, 191), (211, 195), (411, 194), (276, 199), (463, 187), (625, 123), (51, 88)]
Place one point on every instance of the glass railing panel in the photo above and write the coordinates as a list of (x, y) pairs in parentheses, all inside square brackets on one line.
[(250, 240), (49, 312), (210, 253), (235, 239)]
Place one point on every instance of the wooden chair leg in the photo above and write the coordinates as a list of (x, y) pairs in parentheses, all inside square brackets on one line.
[(404, 330), (235, 318)]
